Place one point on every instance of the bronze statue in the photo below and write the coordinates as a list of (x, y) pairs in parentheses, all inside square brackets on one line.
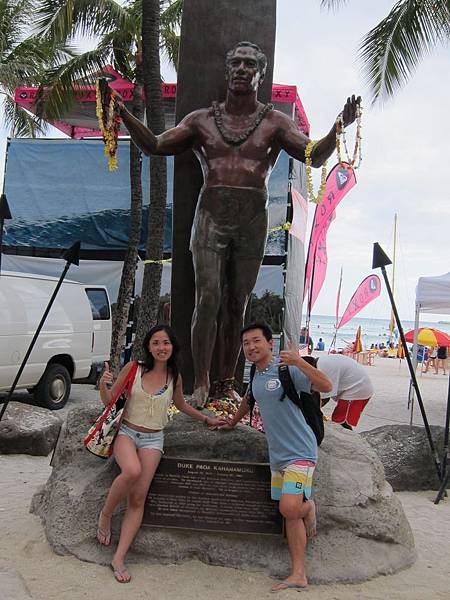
[(237, 143)]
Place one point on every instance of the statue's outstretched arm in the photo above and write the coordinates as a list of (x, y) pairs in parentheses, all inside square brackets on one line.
[(173, 141), (294, 142)]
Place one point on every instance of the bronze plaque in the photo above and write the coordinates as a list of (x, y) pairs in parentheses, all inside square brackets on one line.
[(213, 496)]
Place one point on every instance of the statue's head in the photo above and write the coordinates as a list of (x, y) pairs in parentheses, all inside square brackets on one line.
[(245, 66)]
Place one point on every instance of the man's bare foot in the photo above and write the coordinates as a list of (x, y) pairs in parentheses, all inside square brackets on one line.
[(103, 534), (293, 582), (311, 521), (200, 397)]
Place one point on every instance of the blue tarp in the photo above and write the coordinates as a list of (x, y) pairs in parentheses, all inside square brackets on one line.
[(61, 190)]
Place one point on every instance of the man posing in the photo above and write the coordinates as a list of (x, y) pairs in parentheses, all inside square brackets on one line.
[(292, 443), (237, 143)]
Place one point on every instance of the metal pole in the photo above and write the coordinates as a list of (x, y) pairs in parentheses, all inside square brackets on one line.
[(72, 257), (289, 217), (446, 455)]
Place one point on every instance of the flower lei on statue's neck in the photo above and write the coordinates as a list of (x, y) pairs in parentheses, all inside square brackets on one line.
[(236, 139), (355, 161), (109, 124)]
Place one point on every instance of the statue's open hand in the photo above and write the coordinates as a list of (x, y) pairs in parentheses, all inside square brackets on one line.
[(107, 93), (350, 108)]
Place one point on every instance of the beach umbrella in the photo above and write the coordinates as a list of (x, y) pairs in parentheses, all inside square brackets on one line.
[(429, 337), (358, 345)]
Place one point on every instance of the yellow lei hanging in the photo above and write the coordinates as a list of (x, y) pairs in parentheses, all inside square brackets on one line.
[(109, 126), (309, 181)]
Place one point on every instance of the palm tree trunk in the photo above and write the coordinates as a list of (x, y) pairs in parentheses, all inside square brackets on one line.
[(151, 285), (129, 265)]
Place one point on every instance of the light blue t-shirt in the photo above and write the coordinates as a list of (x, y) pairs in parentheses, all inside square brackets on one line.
[(289, 437)]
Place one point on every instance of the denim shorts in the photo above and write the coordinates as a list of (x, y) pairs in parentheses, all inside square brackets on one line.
[(147, 440)]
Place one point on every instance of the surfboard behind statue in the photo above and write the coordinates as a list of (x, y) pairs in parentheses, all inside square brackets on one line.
[(208, 31)]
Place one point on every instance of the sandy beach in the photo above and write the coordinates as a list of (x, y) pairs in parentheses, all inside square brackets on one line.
[(25, 552)]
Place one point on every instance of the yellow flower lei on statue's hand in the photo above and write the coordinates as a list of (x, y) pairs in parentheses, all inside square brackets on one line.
[(109, 126), (309, 181)]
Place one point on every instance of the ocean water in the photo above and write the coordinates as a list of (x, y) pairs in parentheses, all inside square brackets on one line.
[(373, 331)]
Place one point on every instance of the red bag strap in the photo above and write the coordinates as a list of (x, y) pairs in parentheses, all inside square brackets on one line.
[(129, 380)]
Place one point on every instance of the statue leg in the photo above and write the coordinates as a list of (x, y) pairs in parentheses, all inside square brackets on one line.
[(241, 275), (209, 270)]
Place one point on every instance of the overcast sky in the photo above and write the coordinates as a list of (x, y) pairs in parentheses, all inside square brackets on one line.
[(405, 150)]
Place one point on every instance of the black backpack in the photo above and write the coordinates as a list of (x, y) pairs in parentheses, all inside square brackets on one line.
[(309, 404)]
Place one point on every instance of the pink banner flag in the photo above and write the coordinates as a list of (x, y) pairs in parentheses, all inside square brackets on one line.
[(340, 180), (320, 265), (368, 290)]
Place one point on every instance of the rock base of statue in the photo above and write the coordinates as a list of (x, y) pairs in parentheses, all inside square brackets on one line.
[(362, 529)]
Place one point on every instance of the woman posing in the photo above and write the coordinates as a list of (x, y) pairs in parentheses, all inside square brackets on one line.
[(139, 444)]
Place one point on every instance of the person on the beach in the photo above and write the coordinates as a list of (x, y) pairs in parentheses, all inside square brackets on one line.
[(431, 360), (352, 387), (441, 359), (139, 444), (306, 339), (320, 345), (237, 143), (292, 443)]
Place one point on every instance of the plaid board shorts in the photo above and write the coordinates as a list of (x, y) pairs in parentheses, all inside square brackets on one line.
[(295, 479)]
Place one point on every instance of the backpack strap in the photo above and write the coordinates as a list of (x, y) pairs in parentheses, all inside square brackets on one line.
[(288, 386), (250, 396)]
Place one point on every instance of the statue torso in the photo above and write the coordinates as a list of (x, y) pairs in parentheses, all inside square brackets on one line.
[(245, 165)]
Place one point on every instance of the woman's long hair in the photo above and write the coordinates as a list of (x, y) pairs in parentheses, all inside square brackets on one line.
[(149, 361)]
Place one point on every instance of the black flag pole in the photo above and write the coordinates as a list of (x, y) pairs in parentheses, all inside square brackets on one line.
[(446, 455), (72, 257), (5, 213), (380, 260)]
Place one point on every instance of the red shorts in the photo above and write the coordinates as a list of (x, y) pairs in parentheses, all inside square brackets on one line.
[(348, 411)]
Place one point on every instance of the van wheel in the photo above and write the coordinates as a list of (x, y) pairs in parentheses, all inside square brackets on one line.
[(53, 388)]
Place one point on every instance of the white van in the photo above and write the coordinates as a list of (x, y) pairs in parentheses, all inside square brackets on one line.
[(76, 335)]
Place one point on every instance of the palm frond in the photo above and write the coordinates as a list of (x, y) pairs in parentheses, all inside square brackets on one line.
[(61, 84), (170, 44), (392, 50), (171, 13), (62, 19), (332, 4), (24, 124)]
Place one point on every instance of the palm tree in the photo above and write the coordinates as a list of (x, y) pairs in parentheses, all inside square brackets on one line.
[(22, 60), (151, 285), (119, 30), (391, 51)]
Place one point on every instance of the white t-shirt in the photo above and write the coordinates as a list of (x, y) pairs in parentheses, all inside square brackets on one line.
[(349, 378)]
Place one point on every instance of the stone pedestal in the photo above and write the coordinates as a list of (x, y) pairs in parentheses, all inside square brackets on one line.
[(362, 530)]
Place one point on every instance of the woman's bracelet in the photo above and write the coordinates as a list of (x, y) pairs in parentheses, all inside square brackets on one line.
[(205, 421)]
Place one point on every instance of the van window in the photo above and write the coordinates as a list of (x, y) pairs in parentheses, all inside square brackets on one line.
[(99, 304)]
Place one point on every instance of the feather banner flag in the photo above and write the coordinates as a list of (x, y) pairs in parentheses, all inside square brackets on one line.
[(340, 180), (368, 290)]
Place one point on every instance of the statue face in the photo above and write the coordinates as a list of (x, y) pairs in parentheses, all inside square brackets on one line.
[(242, 71)]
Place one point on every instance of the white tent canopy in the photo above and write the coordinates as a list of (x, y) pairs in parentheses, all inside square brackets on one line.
[(433, 295)]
